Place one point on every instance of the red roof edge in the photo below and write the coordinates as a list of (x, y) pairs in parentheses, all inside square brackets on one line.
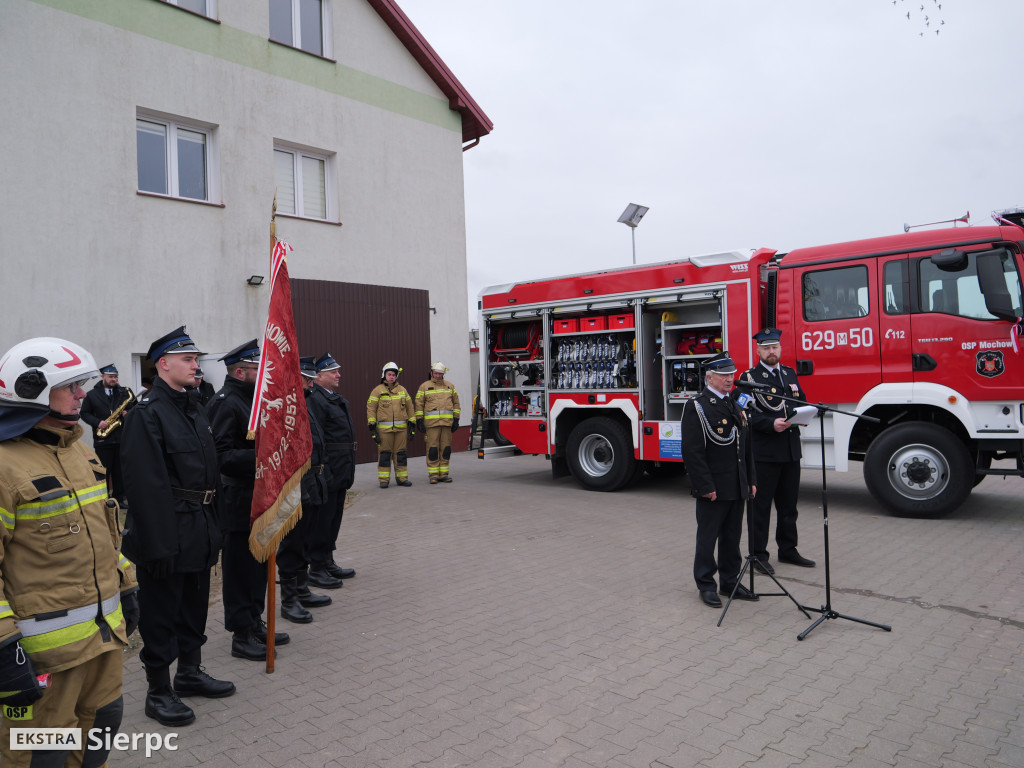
[(475, 122)]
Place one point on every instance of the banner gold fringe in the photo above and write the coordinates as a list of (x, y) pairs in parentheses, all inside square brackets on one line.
[(274, 524)]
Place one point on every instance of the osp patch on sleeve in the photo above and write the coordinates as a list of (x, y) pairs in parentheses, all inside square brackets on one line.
[(18, 714)]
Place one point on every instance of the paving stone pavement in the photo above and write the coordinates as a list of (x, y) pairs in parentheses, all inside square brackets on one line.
[(509, 619)]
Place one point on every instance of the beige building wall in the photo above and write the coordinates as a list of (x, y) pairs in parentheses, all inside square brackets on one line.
[(88, 258)]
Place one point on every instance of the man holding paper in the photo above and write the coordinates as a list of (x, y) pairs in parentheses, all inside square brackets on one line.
[(776, 444)]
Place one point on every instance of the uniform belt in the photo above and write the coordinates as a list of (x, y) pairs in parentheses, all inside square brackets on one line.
[(203, 497), (236, 481), (317, 469), (343, 446), (62, 619)]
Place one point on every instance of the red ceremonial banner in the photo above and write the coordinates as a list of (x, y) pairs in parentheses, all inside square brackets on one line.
[(279, 420)]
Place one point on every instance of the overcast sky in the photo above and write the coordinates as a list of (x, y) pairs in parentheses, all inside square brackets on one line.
[(740, 123)]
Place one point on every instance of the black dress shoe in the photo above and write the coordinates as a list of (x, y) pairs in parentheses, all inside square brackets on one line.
[(794, 558), (319, 576), (710, 598), (338, 572), (260, 631), (742, 593), (192, 680), (764, 567)]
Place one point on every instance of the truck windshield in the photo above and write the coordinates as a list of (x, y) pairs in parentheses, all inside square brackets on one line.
[(959, 293)]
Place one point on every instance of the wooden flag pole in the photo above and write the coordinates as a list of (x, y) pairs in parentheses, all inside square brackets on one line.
[(272, 560)]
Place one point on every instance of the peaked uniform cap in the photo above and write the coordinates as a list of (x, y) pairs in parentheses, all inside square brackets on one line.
[(109, 369), (307, 367), (174, 343), (768, 336), (326, 363), (243, 353), (720, 363)]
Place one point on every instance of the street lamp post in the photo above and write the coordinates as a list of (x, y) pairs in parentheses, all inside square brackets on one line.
[(631, 218)]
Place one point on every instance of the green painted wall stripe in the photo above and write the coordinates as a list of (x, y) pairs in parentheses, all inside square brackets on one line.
[(171, 25)]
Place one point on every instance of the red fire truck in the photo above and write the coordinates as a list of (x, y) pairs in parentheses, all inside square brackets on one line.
[(918, 330)]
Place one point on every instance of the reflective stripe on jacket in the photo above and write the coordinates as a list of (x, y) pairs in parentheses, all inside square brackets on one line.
[(59, 553), (390, 409), (437, 403)]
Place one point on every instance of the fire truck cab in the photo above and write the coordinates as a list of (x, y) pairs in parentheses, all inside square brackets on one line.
[(918, 331)]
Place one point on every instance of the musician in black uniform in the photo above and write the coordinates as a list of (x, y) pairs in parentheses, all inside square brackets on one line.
[(102, 400), (332, 411), (294, 552), (776, 454), (244, 577), (171, 475), (716, 449)]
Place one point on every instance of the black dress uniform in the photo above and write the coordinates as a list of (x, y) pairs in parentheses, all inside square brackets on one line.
[(332, 412), (244, 577), (293, 556), (716, 449), (96, 407), (172, 534), (777, 456)]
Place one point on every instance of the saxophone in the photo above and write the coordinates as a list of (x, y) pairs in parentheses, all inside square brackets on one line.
[(116, 417)]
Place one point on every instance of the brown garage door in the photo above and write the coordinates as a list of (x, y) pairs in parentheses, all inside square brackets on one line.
[(364, 327)]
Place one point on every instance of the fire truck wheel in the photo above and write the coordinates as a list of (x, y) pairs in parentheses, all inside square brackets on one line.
[(600, 454), (918, 470)]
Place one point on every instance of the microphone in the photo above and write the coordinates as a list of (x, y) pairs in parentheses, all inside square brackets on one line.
[(757, 387)]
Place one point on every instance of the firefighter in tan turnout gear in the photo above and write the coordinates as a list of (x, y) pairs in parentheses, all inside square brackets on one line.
[(69, 599), (389, 414), (437, 416)]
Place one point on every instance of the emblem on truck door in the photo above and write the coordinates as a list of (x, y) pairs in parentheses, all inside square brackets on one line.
[(990, 364)]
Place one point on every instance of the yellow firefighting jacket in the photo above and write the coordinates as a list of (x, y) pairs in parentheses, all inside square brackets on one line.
[(59, 551), (390, 409), (437, 403)]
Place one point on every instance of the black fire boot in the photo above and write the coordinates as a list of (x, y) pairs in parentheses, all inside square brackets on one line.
[(244, 645), (309, 600), (162, 703), (192, 680), (260, 631), (319, 576), (291, 609)]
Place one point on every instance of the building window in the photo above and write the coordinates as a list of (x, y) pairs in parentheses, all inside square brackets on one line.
[(301, 178), (174, 158), (202, 7), (301, 24)]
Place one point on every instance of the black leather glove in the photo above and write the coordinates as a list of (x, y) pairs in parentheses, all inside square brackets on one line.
[(373, 434), (160, 569), (18, 684), (412, 430), (455, 424), (130, 609), (421, 425)]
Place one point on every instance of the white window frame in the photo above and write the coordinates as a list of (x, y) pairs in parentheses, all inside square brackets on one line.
[(210, 12), (298, 151), (326, 26), (173, 123)]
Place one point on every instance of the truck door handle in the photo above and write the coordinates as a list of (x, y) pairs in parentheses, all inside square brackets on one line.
[(804, 367), (923, 362)]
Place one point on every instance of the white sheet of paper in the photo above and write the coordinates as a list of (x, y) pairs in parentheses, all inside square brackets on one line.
[(803, 416)]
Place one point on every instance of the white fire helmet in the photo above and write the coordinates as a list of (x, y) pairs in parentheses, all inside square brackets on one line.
[(390, 367), (438, 367), (29, 370)]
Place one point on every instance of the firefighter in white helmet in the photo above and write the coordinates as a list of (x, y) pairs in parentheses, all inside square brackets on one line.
[(437, 417), (389, 414), (69, 598)]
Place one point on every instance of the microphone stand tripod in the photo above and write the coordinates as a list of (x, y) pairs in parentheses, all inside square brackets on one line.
[(748, 563), (826, 610)]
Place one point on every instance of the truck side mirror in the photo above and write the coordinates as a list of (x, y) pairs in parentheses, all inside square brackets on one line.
[(950, 260), (993, 286)]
